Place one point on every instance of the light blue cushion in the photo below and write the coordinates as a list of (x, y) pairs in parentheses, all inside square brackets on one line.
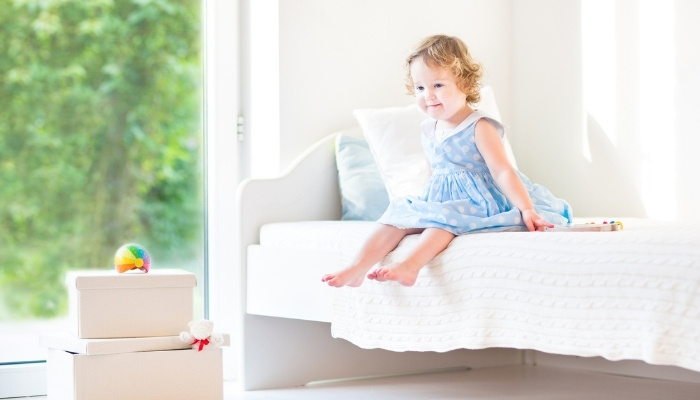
[(363, 194)]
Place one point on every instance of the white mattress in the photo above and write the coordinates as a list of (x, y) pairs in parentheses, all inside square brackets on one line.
[(631, 294), (326, 235)]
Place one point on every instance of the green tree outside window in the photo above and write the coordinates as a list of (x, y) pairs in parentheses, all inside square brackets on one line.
[(100, 141)]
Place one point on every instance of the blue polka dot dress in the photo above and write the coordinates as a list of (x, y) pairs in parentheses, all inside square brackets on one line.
[(461, 196)]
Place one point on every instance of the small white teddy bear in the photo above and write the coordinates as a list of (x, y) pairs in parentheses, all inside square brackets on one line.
[(201, 334)]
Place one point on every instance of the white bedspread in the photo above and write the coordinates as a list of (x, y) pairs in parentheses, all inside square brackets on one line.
[(631, 294)]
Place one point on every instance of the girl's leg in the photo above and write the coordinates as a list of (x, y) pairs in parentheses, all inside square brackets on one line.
[(432, 241), (383, 240)]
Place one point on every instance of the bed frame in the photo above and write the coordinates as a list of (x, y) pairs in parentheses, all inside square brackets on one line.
[(285, 345)]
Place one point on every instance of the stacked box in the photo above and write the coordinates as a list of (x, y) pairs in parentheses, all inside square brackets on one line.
[(107, 304), (124, 340)]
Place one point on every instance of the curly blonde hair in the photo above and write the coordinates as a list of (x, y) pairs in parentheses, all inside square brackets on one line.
[(448, 52)]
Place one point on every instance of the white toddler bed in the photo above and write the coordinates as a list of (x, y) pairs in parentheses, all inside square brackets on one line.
[(489, 299)]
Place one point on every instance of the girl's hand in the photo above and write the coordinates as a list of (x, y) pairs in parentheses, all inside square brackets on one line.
[(533, 221)]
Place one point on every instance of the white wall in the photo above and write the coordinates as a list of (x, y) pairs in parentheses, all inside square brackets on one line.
[(654, 98), (335, 56), (687, 101), (338, 55), (344, 54)]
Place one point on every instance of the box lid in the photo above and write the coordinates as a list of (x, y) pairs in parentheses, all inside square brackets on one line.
[(71, 343), (111, 279)]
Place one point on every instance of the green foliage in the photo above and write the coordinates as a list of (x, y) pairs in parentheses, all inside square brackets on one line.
[(100, 140)]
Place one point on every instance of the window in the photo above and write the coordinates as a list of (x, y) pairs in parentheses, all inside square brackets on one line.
[(101, 143)]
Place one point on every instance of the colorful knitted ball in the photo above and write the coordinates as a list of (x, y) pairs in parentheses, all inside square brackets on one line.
[(132, 256)]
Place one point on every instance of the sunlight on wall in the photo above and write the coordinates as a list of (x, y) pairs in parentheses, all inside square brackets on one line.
[(599, 68), (657, 107), (653, 55), (264, 118)]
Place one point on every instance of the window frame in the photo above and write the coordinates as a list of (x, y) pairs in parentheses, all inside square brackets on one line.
[(221, 172)]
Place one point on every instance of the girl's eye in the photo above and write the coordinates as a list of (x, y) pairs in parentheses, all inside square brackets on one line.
[(438, 85), (419, 88)]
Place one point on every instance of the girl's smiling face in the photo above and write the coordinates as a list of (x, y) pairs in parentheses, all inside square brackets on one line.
[(437, 93)]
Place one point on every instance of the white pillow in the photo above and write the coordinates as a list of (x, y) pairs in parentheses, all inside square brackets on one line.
[(488, 105), (394, 137)]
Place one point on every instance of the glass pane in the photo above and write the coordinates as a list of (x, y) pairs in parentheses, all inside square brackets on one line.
[(100, 145)]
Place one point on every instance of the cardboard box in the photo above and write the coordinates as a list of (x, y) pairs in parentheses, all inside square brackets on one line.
[(107, 304), (70, 343), (133, 368)]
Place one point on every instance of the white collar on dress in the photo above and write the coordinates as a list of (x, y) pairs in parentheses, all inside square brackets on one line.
[(429, 127)]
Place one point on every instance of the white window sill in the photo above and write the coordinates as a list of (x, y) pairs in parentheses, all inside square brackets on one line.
[(18, 380)]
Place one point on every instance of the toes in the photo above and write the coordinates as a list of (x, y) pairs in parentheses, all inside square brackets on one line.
[(376, 275), (331, 280), (335, 283), (380, 274)]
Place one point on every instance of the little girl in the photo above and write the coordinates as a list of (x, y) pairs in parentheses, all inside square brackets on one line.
[(473, 186)]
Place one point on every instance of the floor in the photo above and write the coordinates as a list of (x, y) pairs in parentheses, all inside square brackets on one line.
[(511, 383), (516, 382)]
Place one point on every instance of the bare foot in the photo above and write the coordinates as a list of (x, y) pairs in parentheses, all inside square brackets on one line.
[(398, 272), (351, 276), (373, 275)]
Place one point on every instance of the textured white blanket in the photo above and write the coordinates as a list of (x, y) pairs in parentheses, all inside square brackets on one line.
[(631, 294)]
